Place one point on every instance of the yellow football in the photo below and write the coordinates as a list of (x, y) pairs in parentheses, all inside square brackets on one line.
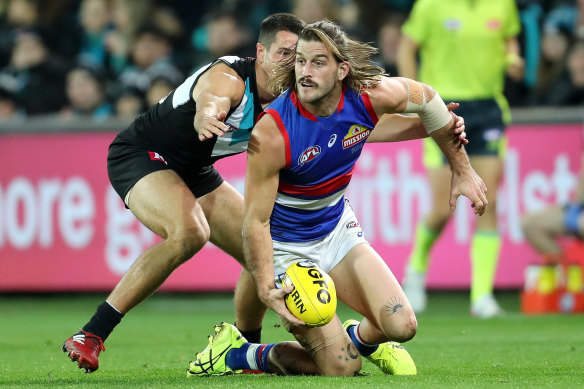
[(314, 299)]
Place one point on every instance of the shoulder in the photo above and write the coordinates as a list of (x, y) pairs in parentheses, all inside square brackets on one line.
[(267, 141), (388, 95), (222, 80), (282, 101)]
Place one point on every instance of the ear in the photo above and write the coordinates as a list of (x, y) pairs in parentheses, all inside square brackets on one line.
[(260, 50), (343, 70)]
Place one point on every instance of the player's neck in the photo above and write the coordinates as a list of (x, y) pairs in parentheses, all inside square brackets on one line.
[(264, 93)]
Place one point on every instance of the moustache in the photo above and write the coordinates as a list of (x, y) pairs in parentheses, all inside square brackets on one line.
[(307, 81)]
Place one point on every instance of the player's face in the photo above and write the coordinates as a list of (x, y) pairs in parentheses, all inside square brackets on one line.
[(316, 72), (281, 49)]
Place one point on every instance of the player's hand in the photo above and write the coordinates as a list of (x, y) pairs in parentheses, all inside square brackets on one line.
[(208, 126), (469, 184), (274, 299), (459, 127)]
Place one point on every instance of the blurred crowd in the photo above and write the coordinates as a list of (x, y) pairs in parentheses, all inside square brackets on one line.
[(104, 58)]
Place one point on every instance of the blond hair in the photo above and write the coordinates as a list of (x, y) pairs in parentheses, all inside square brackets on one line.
[(363, 73)]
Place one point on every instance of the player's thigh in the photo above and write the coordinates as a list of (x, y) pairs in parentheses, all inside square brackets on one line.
[(223, 208), (162, 202), (331, 348), (365, 283), (549, 221)]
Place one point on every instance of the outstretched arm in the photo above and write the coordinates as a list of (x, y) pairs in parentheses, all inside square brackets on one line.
[(217, 90), (405, 95), (265, 159), (397, 128)]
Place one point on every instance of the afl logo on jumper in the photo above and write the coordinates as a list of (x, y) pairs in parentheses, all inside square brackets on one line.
[(352, 224), (309, 154), (356, 134)]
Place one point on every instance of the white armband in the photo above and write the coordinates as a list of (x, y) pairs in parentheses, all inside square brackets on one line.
[(434, 114)]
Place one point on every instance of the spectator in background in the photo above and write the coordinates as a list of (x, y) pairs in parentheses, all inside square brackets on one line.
[(222, 35), (568, 87), (95, 22), (151, 55), (160, 87), (21, 16), (129, 103), (8, 107), (465, 50), (34, 76), (86, 94), (563, 29), (127, 16), (313, 10), (388, 41)]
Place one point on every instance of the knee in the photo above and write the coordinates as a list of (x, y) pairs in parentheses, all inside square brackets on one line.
[(404, 329), (188, 240)]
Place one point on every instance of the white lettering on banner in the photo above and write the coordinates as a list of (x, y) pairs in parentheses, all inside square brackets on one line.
[(48, 197), (126, 237), (76, 211), (20, 196), (27, 213), (384, 196), (387, 188)]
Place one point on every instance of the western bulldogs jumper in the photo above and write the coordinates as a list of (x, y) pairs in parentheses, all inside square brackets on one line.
[(321, 153)]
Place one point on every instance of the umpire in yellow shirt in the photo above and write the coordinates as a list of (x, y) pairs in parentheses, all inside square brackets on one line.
[(465, 47)]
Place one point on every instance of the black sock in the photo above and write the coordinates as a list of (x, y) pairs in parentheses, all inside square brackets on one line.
[(104, 320), (253, 336)]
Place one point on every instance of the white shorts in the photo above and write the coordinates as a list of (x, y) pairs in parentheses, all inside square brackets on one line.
[(325, 252)]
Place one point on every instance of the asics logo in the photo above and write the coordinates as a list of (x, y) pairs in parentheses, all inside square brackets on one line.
[(207, 367), (332, 140), (79, 338)]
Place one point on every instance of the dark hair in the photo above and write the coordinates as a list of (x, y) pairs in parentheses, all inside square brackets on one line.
[(279, 22)]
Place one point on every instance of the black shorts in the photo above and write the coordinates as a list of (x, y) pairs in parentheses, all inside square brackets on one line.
[(127, 164), (484, 126), (483, 120)]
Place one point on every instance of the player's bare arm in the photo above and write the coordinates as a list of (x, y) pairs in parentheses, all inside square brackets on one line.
[(397, 128), (265, 158), (218, 89), (397, 95)]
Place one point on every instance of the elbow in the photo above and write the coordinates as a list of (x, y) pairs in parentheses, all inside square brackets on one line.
[(429, 92)]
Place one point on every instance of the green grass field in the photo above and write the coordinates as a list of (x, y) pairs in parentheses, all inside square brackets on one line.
[(154, 343)]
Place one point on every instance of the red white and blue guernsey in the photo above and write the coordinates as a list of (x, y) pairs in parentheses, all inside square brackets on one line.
[(321, 153)]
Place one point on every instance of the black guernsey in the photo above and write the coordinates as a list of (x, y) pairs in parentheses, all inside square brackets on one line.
[(168, 127)]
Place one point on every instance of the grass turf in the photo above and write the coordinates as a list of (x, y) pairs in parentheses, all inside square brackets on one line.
[(154, 343)]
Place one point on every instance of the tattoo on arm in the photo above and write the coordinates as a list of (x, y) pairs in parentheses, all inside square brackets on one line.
[(394, 306)]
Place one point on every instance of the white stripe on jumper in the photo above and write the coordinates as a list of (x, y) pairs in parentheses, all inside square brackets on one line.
[(310, 205)]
